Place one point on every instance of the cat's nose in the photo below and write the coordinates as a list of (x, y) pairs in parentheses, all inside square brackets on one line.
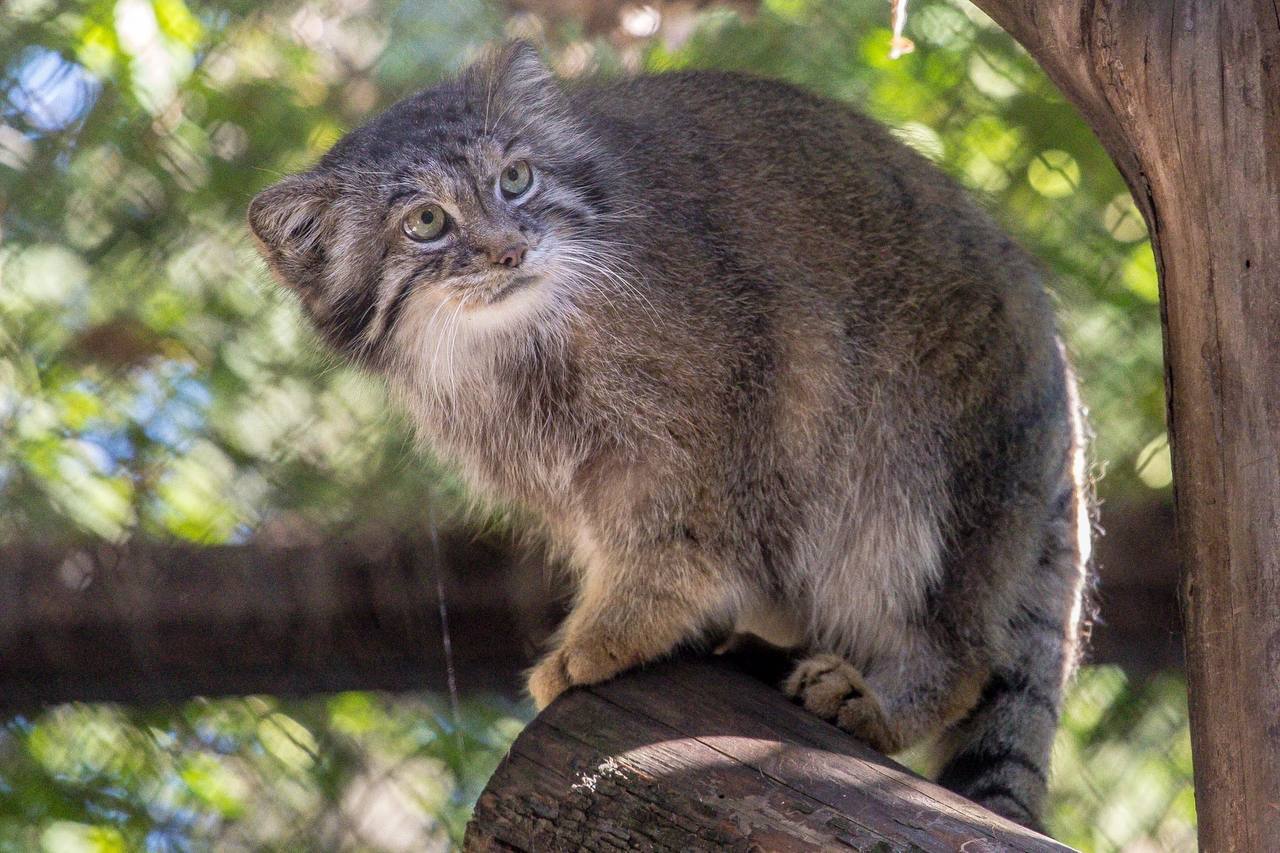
[(512, 256)]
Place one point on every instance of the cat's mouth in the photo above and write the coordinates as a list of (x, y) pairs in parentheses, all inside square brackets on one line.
[(512, 286)]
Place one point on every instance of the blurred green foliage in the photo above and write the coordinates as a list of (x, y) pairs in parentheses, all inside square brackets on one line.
[(153, 383), (350, 771), (1122, 765)]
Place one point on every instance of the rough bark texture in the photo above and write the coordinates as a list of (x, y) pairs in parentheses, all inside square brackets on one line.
[(697, 756), (1185, 95)]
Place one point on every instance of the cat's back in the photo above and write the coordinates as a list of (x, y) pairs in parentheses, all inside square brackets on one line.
[(793, 172), (812, 193), (707, 110), (740, 136)]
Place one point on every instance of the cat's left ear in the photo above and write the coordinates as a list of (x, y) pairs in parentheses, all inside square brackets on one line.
[(292, 221), (517, 77)]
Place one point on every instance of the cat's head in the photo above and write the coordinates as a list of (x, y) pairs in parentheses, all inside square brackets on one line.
[(478, 206)]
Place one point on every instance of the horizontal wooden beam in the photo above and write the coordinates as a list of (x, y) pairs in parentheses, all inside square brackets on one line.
[(155, 622), (698, 755)]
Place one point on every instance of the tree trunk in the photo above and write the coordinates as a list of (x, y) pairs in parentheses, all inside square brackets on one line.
[(1185, 95)]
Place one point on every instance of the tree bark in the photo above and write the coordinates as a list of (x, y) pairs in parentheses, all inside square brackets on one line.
[(1185, 95), (697, 756)]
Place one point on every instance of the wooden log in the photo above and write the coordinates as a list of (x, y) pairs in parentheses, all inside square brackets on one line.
[(1185, 96), (699, 755), (153, 623), (146, 623)]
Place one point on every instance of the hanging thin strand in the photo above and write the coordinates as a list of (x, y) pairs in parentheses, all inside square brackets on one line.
[(900, 44)]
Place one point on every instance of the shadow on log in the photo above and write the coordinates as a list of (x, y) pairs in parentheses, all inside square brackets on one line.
[(696, 755)]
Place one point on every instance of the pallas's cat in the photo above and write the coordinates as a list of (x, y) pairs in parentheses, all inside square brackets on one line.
[(756, 366)]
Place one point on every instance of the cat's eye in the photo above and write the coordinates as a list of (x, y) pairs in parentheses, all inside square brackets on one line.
[(516, 179), (426, 223)]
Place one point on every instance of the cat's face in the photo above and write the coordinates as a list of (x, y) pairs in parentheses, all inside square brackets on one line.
[(474, 208)]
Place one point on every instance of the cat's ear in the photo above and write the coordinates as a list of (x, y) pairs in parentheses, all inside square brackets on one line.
[(517, 77), (291, 221)]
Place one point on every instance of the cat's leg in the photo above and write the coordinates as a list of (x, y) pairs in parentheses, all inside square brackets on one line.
[(999, 720), (896, 701), (626, 615)]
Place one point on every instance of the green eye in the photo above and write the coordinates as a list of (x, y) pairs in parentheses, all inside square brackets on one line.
[(516, 179), (426, 223)]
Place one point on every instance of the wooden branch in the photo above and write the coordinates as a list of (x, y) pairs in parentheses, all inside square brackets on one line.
[(1185, 95), (152, 623), (696, 755)]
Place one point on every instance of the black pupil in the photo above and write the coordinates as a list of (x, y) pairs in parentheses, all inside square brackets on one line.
[(428, 217), (513, 174)]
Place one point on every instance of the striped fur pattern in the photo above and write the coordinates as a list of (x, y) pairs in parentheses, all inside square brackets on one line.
[(756, 367)]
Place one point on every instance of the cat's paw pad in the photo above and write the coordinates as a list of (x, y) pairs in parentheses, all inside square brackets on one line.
[(834, 689), (823, 683)]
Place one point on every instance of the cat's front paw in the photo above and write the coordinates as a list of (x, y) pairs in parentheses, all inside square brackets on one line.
[(548, 679), (576, 663), (835, 690)]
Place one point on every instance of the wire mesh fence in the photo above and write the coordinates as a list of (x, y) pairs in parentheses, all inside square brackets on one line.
[(153, 386)]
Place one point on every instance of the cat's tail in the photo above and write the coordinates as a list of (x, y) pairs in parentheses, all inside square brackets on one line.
[(1000, 750), (1001, 758)]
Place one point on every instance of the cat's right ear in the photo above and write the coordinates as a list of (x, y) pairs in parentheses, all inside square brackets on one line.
[(291, 221), (518, 79)]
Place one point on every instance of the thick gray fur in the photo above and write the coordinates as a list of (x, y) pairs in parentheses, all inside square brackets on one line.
[(763, 369)]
